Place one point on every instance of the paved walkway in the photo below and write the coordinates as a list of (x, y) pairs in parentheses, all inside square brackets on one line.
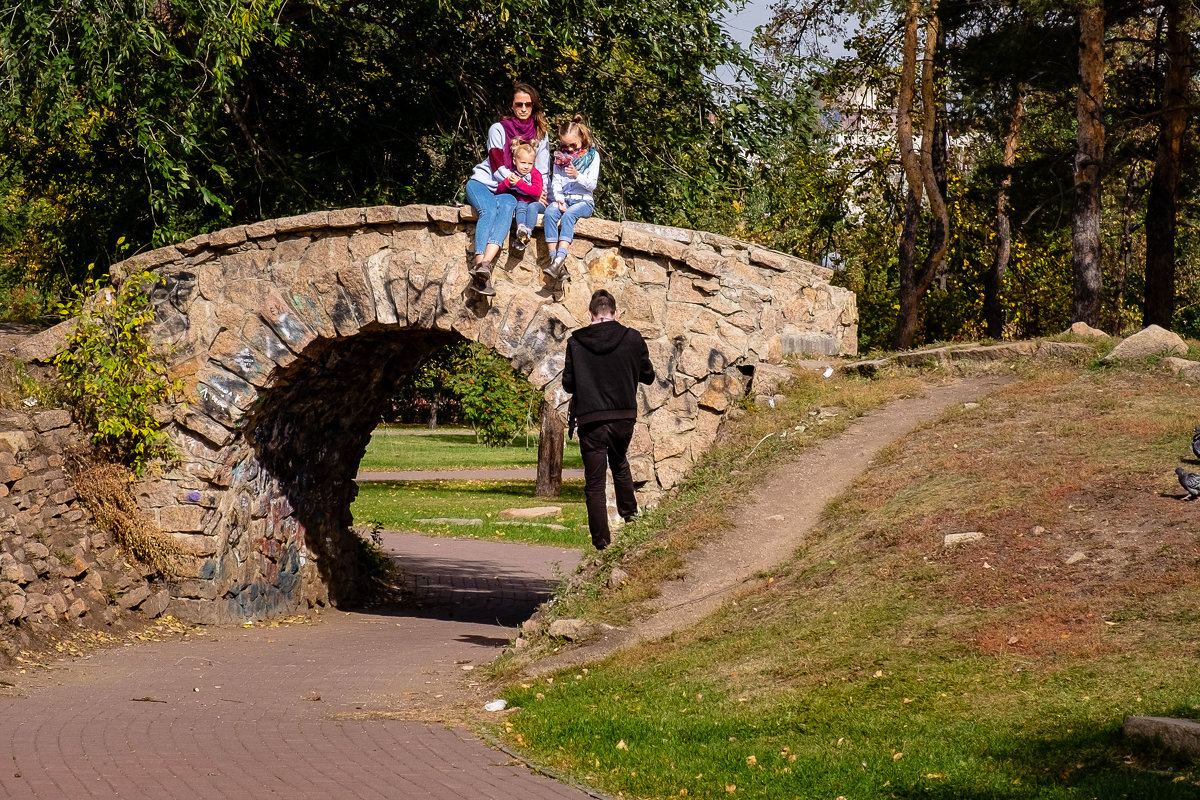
[(337, 707)]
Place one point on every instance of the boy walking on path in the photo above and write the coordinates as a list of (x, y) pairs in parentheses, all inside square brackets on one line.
[(604, 364)]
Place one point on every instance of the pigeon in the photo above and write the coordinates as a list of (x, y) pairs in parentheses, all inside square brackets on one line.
[(1196, 442), (1189, 481)]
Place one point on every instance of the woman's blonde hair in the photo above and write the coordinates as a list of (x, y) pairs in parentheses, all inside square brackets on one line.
[(575, 125)]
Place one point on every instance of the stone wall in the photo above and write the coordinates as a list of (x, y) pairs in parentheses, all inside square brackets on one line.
[(55, 567), (288, 336)]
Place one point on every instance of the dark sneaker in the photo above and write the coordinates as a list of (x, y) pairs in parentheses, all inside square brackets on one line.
[(481, 270), (485, 288), (523, 235)]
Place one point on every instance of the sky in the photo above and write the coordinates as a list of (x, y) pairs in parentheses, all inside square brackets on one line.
[(741, 24)]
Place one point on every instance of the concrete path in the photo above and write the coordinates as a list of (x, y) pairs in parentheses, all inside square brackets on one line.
[(506, 474), (342, 706)]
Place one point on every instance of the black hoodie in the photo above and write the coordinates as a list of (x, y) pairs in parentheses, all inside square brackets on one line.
[(605, 362)]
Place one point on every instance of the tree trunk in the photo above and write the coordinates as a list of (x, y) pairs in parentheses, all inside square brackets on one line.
[(993, 306), (906, 317), (1164, 185), (434, 405), (920, 170), (1089, 155), (1129, 210), (550, 453)]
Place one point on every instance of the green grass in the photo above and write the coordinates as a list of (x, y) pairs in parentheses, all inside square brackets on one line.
[(396, 449), (396, 505), (877, 664)]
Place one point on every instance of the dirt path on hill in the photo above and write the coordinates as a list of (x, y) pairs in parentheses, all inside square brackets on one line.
[(774, 521)]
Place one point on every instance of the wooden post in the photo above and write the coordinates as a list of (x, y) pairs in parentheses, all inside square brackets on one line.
[(550, 453)]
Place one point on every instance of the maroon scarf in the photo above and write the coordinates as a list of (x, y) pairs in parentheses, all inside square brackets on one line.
[(513, 129)]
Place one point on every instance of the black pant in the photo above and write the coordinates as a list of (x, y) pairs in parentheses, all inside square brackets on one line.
[(602, 444)]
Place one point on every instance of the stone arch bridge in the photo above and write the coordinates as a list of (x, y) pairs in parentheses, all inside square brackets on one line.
[(289, 336)]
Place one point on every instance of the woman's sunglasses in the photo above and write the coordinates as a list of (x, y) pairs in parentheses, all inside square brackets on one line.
[(522, 105)]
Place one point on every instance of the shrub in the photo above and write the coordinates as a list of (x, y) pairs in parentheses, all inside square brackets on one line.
[(111, 377), (496, 401)]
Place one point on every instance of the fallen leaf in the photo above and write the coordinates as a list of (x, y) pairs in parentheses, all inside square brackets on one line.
[(898, 756), (751, 761), (622, 746)]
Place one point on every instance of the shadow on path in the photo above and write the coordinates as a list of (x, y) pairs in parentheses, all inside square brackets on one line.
[(470, 580)]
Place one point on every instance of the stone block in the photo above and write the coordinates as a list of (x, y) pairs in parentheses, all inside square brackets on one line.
[(1083, 329), (51, 420), (603, 231), (706, 262), (1188, 370), (867, 368), (286, 323), (10, 473), (13, 607), (773, 259), (302, 222), (134, 597), (446, 214), (380, 215), (228, 237), (41, 347), (1068, 351), (261, 230), (635, 237), (181, 519), (681, 235), (1180, 735), (346, 218), (809, 344), (533, 512), (412, 214), (154, 605), (923, 358), (997, 352), (1146, 343)]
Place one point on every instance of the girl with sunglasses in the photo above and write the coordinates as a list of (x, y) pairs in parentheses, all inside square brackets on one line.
[(572, 188), (527, 123)]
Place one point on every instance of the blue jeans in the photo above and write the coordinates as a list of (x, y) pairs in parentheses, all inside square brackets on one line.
[(560, 225), (495, 215), (527, 213)]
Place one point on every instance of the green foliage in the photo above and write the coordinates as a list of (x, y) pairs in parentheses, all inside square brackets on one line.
[(111, 376), (167, 119), (496, 401)]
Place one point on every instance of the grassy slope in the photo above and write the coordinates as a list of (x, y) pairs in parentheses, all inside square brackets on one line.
[(878, 664)]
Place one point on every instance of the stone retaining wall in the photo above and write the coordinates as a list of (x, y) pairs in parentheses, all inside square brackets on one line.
[(55, 567)]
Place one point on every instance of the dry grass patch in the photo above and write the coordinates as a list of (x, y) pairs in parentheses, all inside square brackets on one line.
[(105, 489)]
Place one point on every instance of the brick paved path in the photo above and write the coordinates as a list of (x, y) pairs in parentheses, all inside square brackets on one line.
[(326, 709)]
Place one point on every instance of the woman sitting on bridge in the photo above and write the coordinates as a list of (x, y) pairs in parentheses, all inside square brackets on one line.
[(496, 211)]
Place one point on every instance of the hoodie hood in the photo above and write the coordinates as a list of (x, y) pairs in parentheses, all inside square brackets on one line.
[(601, 338)]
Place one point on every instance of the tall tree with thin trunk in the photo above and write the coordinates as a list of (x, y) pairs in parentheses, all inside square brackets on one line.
[(993, 305), (1164, 185), (1089, 156), (920, 171)]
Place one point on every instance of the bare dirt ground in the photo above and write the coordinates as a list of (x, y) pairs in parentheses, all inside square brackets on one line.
[(774, 521)]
